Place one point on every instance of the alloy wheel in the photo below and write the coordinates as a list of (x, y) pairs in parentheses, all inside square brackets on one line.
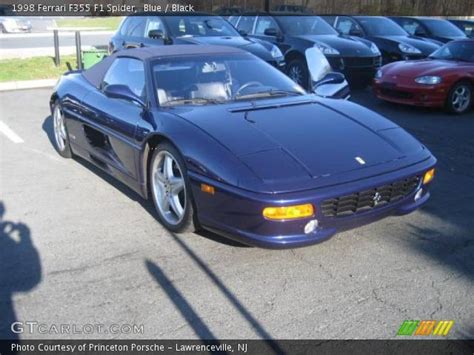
[(461, 98), (169, 187), (296, 74), (59, 128)]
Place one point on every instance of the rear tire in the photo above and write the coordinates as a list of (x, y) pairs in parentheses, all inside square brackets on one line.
[(459, 98), (61, 137), (170, 190)]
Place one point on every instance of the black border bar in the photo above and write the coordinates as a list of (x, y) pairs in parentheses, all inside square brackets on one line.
[(238, 347), (462, 8)]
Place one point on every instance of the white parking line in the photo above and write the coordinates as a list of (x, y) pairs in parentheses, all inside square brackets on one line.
[(15, 138)]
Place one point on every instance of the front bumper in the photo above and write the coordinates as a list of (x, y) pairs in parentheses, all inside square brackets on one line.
[(406, 91), (356, 69), (237, 214)]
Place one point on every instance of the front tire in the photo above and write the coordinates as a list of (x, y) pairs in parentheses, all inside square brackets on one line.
[(298, 72), (460, 98), (61, 138), (170, 189)]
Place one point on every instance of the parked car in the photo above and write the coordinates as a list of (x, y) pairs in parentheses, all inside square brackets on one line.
[(444, 79), (154, 30), (432, 28), (357, 58), (220, 140), (467, 26), (392, 40), (11, 24)]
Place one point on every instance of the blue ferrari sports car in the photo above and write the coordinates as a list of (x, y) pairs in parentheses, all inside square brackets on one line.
[(221, 140)]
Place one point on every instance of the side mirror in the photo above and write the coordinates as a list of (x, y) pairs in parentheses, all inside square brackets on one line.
[(122, 92), (270, 32), (243, 33), (155, 34)]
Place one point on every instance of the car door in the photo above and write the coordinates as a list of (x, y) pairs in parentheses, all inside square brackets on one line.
[(246, 24), (156, 24), (137, 32), (348, 26), (264, 23), (109, 130), (413, 27)]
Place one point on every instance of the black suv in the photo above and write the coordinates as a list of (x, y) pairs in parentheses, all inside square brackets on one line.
[(436, 29), (357, 58), (144, 30), (392, 40)]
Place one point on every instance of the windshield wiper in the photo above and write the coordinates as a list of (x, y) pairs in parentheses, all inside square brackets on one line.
[(200, 100), (269, 93)]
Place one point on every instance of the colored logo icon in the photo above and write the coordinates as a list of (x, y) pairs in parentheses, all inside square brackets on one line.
[(425, 327)]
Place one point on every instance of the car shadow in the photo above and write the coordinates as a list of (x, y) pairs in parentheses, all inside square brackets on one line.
[(186, 310), (48, 128), (124, 189), (20, 269)]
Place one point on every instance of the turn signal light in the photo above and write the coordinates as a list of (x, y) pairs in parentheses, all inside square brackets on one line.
[(289, 212), (429, 176), (208, 189)]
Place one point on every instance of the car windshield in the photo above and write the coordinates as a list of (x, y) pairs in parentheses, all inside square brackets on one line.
[(443, 28), (215, 79), (459, 50), (199, 26), (305, 25), (381, 26)]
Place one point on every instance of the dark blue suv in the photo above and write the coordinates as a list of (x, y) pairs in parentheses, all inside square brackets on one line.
[(145, 30)]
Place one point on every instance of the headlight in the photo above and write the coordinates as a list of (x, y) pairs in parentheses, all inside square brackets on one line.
[(428, 80), (406, 48), (276, 52), (378, 74), (326, 49), (374, 49)]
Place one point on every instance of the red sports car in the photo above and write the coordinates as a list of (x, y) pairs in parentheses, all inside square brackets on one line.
[(444, 79)]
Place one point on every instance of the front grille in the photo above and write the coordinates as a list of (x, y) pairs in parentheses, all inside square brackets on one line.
[(361, 62), (396, 93), (367, 200)]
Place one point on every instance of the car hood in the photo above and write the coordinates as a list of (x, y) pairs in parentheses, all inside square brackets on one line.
[(347, 46), (295, 145), (414, 68), (425, 46), (231, 41)]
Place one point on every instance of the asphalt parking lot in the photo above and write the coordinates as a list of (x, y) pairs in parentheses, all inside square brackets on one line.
[(84, 249)]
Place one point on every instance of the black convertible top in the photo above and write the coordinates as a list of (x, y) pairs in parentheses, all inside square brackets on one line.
[(95, 74)]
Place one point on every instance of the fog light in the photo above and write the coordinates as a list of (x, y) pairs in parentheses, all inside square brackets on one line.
[(288, 212), (418, 194), (311, 226), (429, 176)]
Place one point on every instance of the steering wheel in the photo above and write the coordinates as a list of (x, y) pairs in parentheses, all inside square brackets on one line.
[(247, 85)]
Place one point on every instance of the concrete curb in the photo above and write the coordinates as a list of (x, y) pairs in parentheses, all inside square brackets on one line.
[(27, 84)]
